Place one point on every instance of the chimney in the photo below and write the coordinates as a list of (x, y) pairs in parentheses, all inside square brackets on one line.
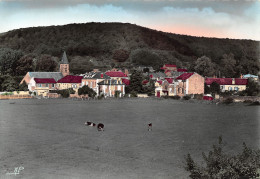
[(126, 72)]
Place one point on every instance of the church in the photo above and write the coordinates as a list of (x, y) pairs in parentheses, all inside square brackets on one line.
[(45, 81)]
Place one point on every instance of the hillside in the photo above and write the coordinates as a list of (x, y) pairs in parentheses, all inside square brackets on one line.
[(103, 45)]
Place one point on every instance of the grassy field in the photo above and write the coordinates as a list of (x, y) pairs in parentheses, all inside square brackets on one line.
[(48, 138)]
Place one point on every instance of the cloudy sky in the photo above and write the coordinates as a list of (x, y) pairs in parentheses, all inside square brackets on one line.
[(238, 19)]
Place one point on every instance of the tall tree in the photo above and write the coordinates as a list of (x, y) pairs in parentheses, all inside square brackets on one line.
[(46, 63), (228, 66), (136, 82), (8, 59), (204, 66), (25, 64)]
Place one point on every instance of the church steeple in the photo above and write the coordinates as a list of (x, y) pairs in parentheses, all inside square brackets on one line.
[(64, 65)]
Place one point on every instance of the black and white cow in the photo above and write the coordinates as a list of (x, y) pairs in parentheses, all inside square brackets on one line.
[(90, 124), (100, 127), (150, 125)]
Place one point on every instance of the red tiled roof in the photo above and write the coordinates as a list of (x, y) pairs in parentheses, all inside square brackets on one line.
[(226, 81), (160, 82), (239, 81), (126, 81), (44, 80), (182, 70), (170, 65), (145, 82), (184, 76), (170, 80), (162, 68), (151, 76), (167, 71), (116, 74), (70, 79)]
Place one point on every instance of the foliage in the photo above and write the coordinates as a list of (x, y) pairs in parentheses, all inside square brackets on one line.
[(25, 64), (135, 82), (121, 55), (146, 58), (9, 83), (229, 100), (87, 90), (65, 93), (117, 94), (8, 59), (187, 97), (218, 164), (7, 93), (176, 97), (228, 66), (204, 66), (46, 63), (198, 96), (252, 88), (81, 65), (214, 88), (23, 87), (133, 94)]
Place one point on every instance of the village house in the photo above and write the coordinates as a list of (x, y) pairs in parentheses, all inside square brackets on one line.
[(185, 84), (169, 67), (109, 87), (116, 75), (70, 81), (228, 84), (254, 77), (92, 79), (42, 86)]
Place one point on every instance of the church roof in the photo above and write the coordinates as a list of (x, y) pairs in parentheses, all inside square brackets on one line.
[(55, 75), (64, 59)]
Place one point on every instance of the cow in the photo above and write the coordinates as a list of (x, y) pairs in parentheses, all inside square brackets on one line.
[(150, 125), (92, 124), (100, 127)]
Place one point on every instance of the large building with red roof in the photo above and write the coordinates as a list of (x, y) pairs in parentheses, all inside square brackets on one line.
[(116, 75), (228, 84), (185, 84), (69, 81)]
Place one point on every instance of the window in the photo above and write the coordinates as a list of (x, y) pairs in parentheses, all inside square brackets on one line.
[(46, 85), (53, 85), (236, 88), (230, 88), (40, 85)]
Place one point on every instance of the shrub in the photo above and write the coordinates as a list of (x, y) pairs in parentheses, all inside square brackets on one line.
[(133, 94), (101, 96), (248, 101), (229, 100), (176, 97), (117, 94), (218, 164), (255, 103), (186, 97), (198, 96)]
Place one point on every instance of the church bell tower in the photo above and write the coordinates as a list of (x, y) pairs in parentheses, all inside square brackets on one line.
[(64, 65)]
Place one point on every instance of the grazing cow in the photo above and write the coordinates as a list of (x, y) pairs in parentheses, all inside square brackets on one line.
[(150, 125), (100, 127), (90, 124)]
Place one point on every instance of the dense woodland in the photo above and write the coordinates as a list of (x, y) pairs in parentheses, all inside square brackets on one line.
[(106, 45)]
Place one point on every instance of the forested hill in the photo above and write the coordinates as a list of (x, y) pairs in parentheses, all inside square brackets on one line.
[(103, 45)]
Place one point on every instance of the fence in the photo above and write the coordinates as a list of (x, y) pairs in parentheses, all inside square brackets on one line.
[(15, 96)]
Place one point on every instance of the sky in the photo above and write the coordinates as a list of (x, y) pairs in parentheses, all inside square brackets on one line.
[(236, 19)]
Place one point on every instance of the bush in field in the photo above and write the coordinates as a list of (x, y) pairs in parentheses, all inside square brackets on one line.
[(176, 97), (248, 101), (198, 96), (218, 164), (133, 94), (186, 97), (228, 100), (117, 94), (87, 90)]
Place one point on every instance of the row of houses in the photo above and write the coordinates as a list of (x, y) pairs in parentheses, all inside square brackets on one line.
[(173, 81)]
